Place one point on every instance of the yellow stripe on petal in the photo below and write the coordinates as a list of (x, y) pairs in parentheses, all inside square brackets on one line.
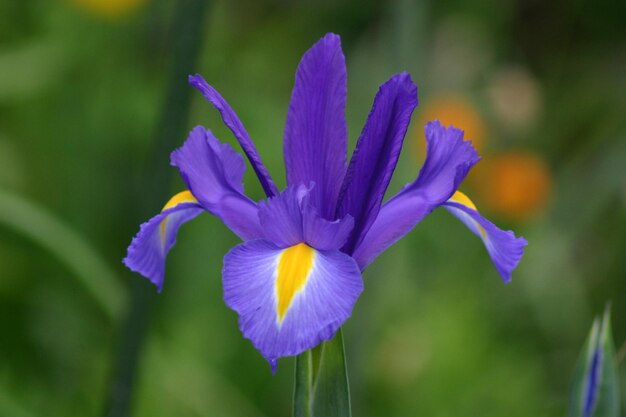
[(182, 197), (462, 199), (293, 271)]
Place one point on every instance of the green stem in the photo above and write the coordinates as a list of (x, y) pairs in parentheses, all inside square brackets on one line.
[(321, 386), (187, 28)]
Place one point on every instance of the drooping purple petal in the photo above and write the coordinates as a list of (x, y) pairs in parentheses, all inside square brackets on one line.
[(213, 171), (376, 155), (148, 249), (315, 133), (504, 248), (234, 124), (315, 310), (449, 159), (397, 217)]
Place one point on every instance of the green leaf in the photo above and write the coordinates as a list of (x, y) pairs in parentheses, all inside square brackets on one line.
[(90, 270), (595, 387), (321, 383)]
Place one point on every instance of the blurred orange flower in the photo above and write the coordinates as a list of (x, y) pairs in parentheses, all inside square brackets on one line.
[(109, 8), (515, 184), (456, 110)]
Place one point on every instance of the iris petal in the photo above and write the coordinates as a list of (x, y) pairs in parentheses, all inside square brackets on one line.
[(315, 133), (147, 252), (325, 234), (291, 218), (213, 171), (504, 248), (448, 160), (281, 217), (376, 155), (234, 124), (289, 300), (450, 157)]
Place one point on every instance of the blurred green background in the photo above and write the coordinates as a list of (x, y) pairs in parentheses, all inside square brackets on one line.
[(86, 92)]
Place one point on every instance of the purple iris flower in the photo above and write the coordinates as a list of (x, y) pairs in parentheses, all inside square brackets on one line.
[(296, 276)]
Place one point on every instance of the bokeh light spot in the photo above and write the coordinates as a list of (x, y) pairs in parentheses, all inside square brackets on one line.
[(456, 110), (109, 8), (516, 185)]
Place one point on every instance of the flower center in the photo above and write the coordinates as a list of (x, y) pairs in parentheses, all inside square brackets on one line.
[(294, 267)]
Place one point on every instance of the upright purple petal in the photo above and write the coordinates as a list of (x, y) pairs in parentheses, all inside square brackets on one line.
[(234, 124), (376, 155), (449, 159), (281, 217), (315, 133), (325, 234), (290, 218), (503, 247), (314, 301), (214, 172), (147, 252)]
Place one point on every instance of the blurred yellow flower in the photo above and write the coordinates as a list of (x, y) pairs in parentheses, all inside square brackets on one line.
[(515, 184), (109, 8), (456, 110)]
